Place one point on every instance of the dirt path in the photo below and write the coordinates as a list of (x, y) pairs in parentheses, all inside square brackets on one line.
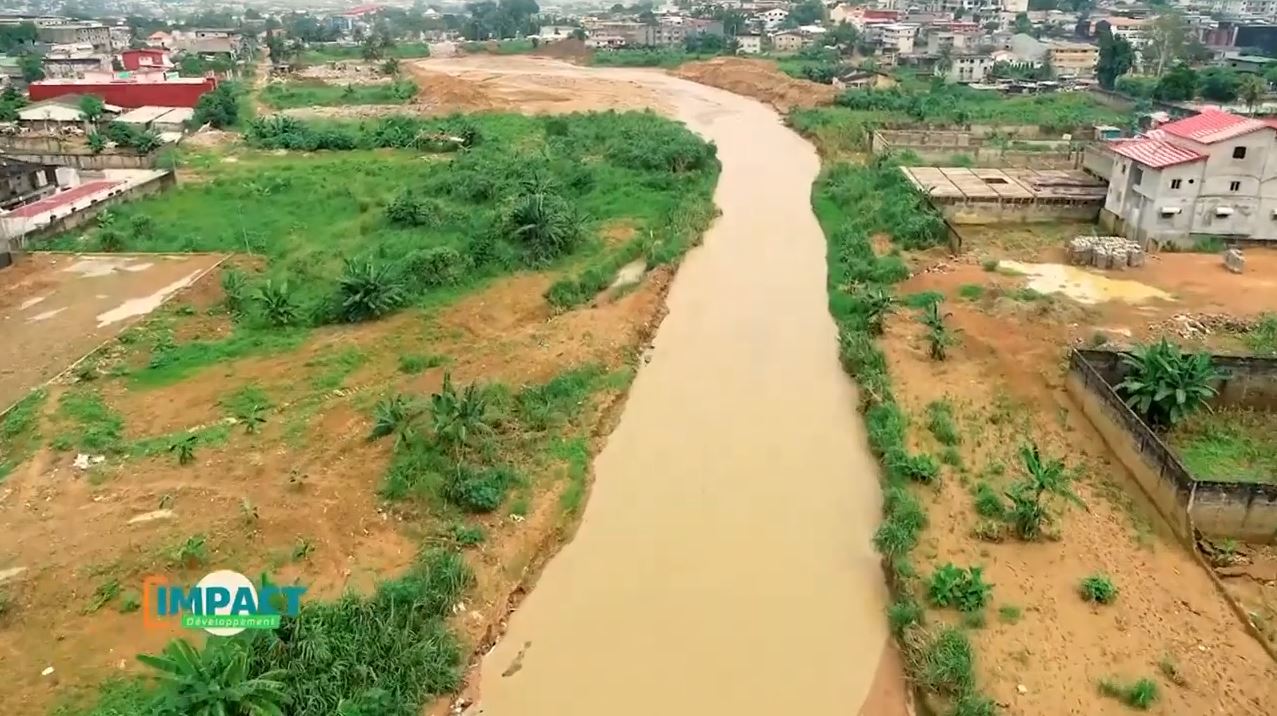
[(723, 564)]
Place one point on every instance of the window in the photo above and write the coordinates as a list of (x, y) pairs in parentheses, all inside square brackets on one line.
[(1137, 175), (1234, 186), (1239, 152), (1175, 183)]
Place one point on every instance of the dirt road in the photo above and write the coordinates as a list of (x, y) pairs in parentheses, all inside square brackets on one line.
[(723, 564)]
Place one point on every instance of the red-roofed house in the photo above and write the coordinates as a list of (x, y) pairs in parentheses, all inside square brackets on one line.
[(1211, 174)]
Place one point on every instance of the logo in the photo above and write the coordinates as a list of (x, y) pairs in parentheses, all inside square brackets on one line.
[(223, 603)]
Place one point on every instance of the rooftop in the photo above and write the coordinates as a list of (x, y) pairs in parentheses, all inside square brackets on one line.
[(977, 184), (1211, 126), (1153, 152)]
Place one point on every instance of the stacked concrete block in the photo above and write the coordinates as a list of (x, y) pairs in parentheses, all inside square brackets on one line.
[(1234, 261), (1105, 252)]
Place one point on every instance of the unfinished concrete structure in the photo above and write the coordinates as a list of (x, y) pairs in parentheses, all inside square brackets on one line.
[(952, 146), (1007, 196)]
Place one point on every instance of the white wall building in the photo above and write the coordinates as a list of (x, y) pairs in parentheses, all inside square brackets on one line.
[(893, 36), (749, 44), (1211, 174), (966, 69)]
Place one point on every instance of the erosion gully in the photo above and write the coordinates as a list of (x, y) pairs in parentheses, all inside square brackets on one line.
[(723, 564)]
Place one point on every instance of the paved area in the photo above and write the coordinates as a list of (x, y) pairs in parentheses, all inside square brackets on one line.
[(994, 184)]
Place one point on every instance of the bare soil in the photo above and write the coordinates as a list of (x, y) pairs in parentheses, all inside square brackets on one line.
[(309, 477), (1004, 379), (54, 308), (759, 79)]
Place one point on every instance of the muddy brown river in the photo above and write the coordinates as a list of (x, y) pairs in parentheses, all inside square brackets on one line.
[(723, 565)]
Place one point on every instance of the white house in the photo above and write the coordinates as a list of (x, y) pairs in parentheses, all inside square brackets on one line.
[(968, 68), (773, 18), (894, 36), (1211, 174), (749, 44)]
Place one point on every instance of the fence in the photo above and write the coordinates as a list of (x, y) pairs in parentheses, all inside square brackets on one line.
[(964, 148), (1237, 509)]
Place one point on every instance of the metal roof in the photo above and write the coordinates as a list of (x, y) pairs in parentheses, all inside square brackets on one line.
[(1153, 152), (1212, 126)]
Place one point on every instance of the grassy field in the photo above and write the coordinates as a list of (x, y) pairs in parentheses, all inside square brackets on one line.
[(500, 47), (346, 237), (1229, 445), (646, 57), (316, 54), (317, 93)]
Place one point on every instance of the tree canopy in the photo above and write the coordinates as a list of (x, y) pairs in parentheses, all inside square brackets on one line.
[(1117, 57)]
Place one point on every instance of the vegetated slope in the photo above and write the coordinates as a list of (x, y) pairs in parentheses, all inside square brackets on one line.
[(966, 414), (274, 435), (758, 79)]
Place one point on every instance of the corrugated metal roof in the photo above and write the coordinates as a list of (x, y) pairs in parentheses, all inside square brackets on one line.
[(1153, 152), (1212, 126)]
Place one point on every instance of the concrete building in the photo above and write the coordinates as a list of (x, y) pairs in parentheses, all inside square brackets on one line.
[(24, 182), (893, 37), (1073, 59), (77, 33), (151, 58), (140, 90), (71, 61), (968, 68), (1255, 64), (1006, 196), (749, 44), (674, 32), (1211, 174), (789, 41), (1130, 29)]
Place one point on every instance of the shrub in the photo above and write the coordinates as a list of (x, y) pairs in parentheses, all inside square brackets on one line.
[(988, 503), (184, 448), (96, 141), (408, 209), (903, 614), (873, 304), (939, 337), (276, 302), (436, 266), (1009, 614), (918, 467), (1164, 385), (458, 415), (973, 704), (542, 223), (940, 422), (215, 680), (110, 239), (1098, 589), (219, 108), (234, 291), (943, 663), (964, 589), (1139, 695), (478, 490), (393, 416), (368, 290), (1044, 478)]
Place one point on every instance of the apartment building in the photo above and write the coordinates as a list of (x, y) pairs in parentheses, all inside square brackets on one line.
[(1211, 174), (76, 33), (893, 37), (968, 68), (1073, 59)]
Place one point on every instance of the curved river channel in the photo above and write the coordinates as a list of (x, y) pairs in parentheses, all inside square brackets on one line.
[(723, 565)]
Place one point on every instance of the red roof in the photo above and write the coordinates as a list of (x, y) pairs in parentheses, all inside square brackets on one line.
[(361, 10), (1154, 152), (1211, 126), (54, 201)]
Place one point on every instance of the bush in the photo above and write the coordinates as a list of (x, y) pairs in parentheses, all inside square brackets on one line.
[(1165, 385), (478, 490), (903, 614), (940, 422), (943, 663), (276, 303), (368, 290), (219, 108), (216, 679), (393, 416), (408, 209), (1044, 478), (542, 223), (918, 467), (988, 503), (438, 266), (1098, 589), (1139, 695), (964, 589)]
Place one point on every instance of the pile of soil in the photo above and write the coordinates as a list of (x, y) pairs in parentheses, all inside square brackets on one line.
[(437, 89), (759, 79), (570, 50)]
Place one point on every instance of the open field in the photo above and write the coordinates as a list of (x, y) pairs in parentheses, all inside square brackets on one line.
[(952, 432), (232, 428), (336, 53), (318, 93)]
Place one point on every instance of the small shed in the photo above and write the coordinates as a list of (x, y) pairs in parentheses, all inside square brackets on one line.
[(161, 119), (60, 110)]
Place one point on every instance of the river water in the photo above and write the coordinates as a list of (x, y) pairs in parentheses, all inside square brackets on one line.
[(723, 565)]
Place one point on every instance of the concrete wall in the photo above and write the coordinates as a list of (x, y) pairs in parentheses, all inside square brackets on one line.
[(1098, 161), (87, 160), (1237, 510), (29, 240), (1017, 212)]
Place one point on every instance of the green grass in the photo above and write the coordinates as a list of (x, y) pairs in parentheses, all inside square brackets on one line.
[(971, 291), (412, 363), (941, 423), (1098, 589), (176, 362), (317, 93), (90, 425), (319, 53), (1229, 445), (646, 57), (1139, 695), (513, 46), (19, 431), (332, 369), (1262, 338), (1009, 614)]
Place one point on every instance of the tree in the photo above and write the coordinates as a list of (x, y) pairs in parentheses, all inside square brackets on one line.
[(1116, 58), (31, 66), (1166, 41), (1271, 75), (944, 62), (219, 108), (810, 12), (15, 36), (92, 107), (1251, 90), (1219, 84), (1022, 24), (252, 14), (1178, 85)]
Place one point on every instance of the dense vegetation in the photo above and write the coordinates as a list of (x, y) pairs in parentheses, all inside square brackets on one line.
[(351, 236), (320, 53), (647, 57), (854, 203), (317, 93), (847, 128)]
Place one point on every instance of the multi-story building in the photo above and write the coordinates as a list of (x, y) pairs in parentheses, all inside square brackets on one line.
[(1214, 173), (73, 61), (674, 31), (1073, 59), (1129, 29), (893, 37), (76, 33), (967, 68), (749, 44), (789, 41)]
